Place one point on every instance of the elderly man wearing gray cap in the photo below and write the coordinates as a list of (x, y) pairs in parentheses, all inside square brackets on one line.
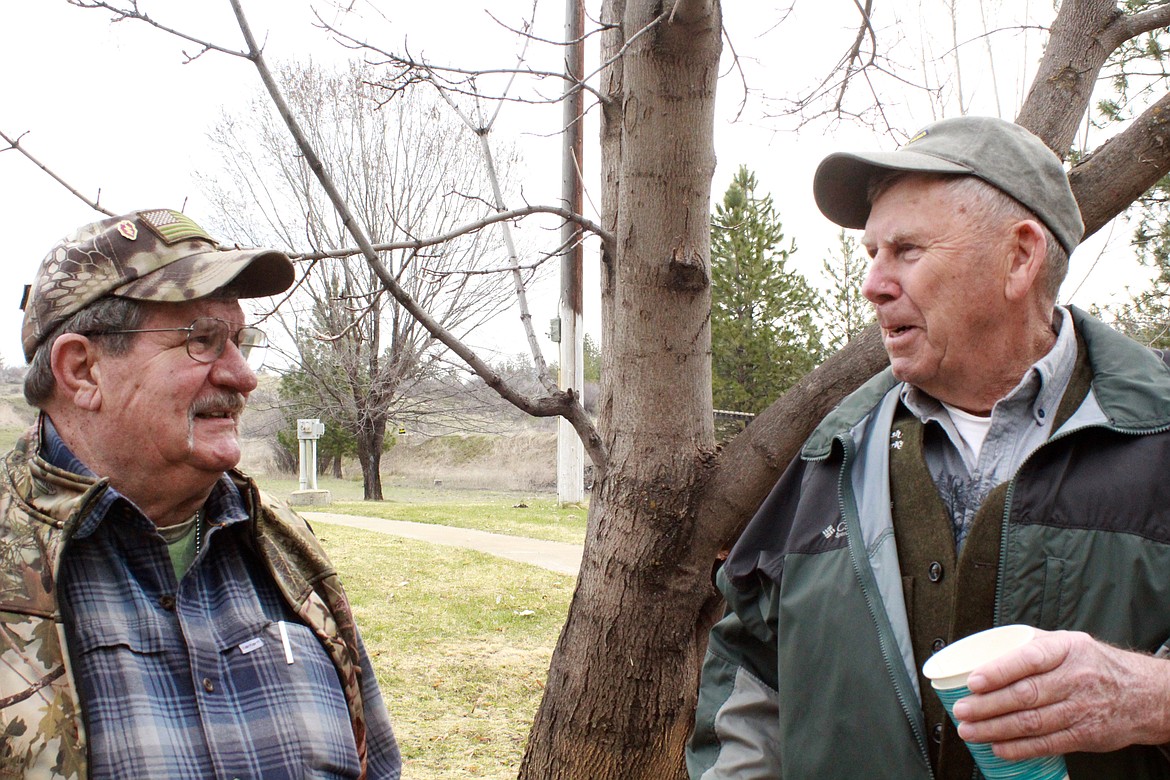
[(161, 617), (1008, 467)]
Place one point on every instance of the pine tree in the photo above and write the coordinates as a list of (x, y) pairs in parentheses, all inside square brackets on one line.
[(846, 311), (764, 334)]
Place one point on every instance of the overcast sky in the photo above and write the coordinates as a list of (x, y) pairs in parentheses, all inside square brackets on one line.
[(113, 109)]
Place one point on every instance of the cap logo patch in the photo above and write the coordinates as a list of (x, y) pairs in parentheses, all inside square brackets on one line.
[(128, 229), (173, 226), (918, 136)]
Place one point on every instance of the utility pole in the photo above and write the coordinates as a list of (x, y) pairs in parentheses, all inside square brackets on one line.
[(570, 451)]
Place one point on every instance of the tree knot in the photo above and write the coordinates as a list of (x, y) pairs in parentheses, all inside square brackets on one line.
[(686, 271)]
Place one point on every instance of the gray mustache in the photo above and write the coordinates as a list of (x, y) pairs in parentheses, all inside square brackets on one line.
[(224, 401)]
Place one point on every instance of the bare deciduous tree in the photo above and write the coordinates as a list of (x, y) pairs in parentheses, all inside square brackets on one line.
[(408, 168)]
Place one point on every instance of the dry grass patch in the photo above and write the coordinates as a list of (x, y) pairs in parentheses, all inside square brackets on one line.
[(460, 642)]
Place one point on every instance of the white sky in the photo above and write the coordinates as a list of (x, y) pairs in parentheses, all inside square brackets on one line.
[(113, 108)]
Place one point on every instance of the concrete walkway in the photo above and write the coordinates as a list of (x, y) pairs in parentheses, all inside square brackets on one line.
[(560, 557)]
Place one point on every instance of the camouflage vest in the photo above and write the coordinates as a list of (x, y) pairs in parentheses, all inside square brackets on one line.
[(41, 729)]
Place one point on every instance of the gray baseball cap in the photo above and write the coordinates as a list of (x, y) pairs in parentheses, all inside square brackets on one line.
[(1001, 153), (150, 255)]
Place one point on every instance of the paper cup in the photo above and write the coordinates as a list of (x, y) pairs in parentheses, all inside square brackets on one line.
[(947, 671)]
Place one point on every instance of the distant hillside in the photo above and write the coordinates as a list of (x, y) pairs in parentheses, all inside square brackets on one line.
[(519, 457)]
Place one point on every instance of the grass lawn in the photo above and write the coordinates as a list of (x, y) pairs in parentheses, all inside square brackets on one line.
[(535, 516), (460, 641)]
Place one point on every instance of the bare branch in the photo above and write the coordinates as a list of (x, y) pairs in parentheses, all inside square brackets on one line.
[(855, 50), (414, 70), (133, 13), (1147, 21), (500, 216), (14, 143)]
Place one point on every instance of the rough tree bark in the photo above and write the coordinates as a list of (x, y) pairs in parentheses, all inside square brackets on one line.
[(657, 162), (371, 438)]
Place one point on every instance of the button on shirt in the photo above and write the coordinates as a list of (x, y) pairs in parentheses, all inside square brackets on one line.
[(1020, 422), (190, 678)]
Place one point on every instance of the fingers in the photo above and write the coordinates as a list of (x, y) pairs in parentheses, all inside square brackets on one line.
[(1066, 692), (1043, 654)]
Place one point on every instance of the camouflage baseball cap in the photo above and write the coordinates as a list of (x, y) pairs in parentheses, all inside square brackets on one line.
[(155, 255)]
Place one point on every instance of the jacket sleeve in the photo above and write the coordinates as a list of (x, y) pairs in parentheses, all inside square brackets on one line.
[(736, 722)]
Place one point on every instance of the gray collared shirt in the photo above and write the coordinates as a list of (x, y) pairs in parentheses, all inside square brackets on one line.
[(1020, 422)]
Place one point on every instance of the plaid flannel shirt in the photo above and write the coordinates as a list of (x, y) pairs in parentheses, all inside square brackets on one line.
[(210, 676)]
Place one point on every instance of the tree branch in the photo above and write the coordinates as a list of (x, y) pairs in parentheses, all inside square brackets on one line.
[(750, 465), (1146, 21), (1125, 166), (500, 216), (14, 143), (134, 13)]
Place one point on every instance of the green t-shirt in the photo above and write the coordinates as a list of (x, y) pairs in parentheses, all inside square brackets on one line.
[(181, 544)]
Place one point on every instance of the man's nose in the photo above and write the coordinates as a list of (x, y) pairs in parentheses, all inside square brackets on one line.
[(879, 285), (231, 370)]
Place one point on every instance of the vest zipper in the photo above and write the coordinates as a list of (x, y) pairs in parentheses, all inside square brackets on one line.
[(857, 551)]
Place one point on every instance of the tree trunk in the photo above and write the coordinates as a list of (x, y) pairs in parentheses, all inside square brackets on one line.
[(621, 692), (1064, 82), (370, 439)]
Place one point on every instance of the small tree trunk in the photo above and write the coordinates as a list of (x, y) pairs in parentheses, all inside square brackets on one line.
[(370, 440), (621, 692)]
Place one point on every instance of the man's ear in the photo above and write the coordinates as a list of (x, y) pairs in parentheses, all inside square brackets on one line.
[(1028, 250), (75, 369)]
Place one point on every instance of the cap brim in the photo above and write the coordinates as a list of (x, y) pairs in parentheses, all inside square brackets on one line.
[(251, 273), (841, 183)]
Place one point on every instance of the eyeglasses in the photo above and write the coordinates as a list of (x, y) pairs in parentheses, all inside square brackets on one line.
[(207, 337)]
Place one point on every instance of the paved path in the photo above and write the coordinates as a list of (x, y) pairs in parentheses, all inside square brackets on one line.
[(556, 556)]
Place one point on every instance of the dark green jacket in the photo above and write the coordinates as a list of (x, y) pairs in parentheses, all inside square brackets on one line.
[(811, 672)]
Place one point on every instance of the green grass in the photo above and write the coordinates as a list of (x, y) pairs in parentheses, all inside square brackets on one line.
[(516, 514), (8, 437), (460, 642)]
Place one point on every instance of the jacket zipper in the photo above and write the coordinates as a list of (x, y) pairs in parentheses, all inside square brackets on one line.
[(854, 540)]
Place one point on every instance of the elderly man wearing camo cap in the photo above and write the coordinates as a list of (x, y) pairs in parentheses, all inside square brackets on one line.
[(1008, 467), (162, 617)]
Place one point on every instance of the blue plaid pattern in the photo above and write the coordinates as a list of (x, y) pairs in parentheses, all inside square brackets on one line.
[(189, 679)]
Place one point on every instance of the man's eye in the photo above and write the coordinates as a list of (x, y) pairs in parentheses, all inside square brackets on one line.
[(202, 339)]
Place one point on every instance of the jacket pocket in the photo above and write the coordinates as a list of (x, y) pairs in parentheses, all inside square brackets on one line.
[(1053, 608)]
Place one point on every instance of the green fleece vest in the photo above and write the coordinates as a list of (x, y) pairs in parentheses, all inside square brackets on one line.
[(936, 580)]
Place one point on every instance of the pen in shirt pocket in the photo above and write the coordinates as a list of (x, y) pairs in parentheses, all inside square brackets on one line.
[(288, 655)]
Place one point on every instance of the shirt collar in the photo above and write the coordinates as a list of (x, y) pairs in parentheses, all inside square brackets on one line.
[(225, 505), (1041, 387)]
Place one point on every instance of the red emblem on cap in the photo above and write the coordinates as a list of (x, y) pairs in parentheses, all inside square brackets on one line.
[(128, 229)]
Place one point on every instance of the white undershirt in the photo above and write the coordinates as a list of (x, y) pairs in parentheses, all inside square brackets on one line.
[(971, 427)]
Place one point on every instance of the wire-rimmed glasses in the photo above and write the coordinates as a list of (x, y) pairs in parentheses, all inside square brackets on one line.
[(207, 338)]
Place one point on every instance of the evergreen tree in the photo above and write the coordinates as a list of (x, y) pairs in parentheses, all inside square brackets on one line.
[(764, 334), (846, 311), (1145, 317), (592, 359)]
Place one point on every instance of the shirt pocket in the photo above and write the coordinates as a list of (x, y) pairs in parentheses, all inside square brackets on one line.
[(282, 672), (140, 635)]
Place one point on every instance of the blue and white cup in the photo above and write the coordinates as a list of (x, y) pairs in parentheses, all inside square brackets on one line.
[(947, 671)]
